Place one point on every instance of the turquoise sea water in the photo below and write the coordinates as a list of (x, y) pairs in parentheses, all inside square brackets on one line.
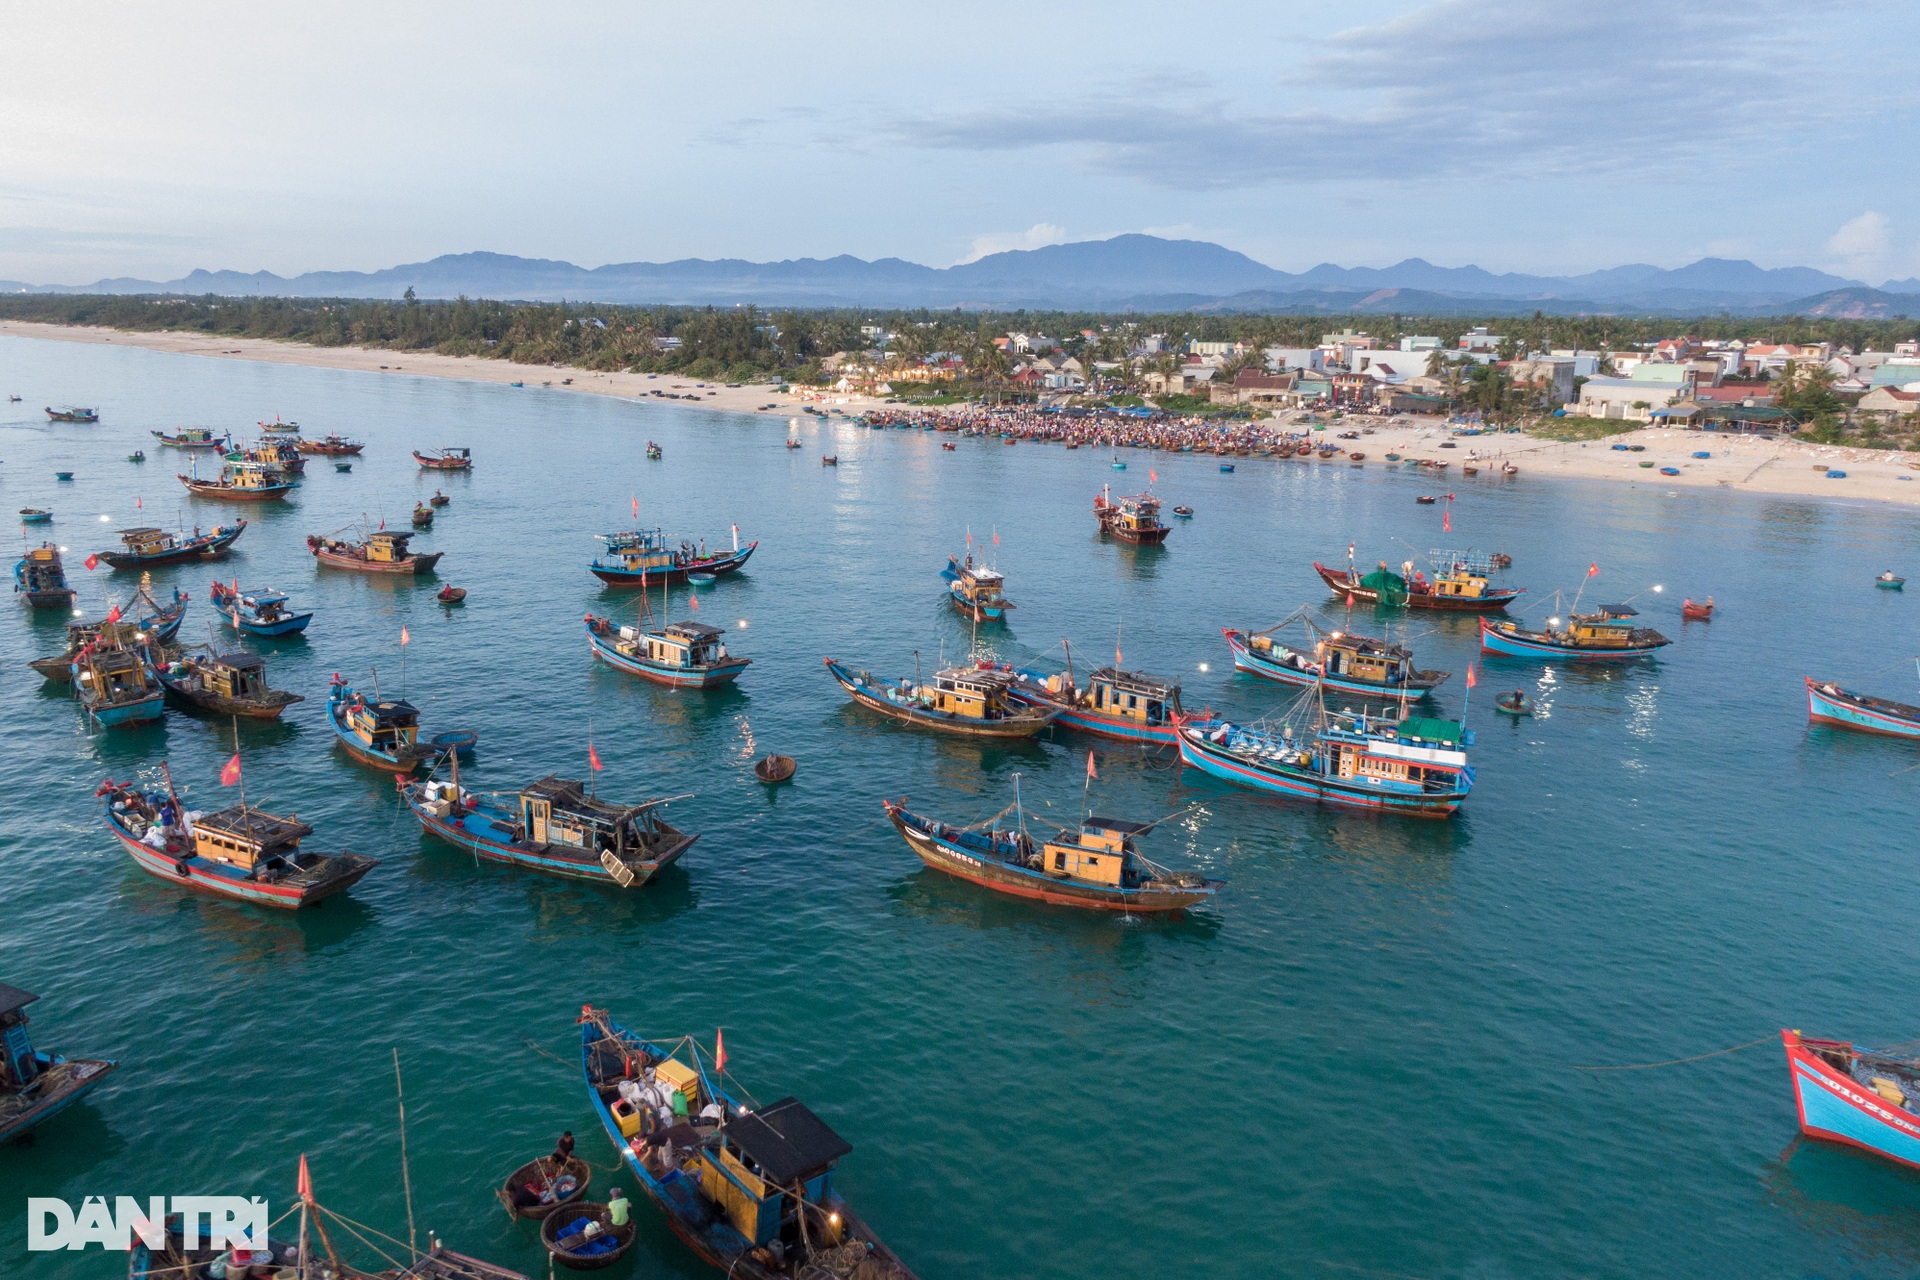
[(1359, 1063)]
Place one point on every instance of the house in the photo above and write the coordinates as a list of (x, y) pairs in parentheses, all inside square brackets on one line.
[(1477, 341), (1188, 379), (1552, 374), (1586, 364), (1625, 397), (1250, 388), (1281, 359), (1419, 344), (1896, 372), (1887, 404), (1752, 395), (1217, 350)]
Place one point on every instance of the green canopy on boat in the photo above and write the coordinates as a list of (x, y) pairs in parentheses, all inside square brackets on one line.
[(1429, 730), (1391, 587)]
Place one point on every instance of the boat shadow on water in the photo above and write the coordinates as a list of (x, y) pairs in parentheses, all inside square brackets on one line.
[(65, 1146), (562, 909), (1857, 1200), (249, 936), (926, 895)]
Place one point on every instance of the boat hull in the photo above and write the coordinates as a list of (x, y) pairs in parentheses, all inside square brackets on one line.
[(633, 579), (1245, 659), (207, 876), (370, 756), (52, 598), (1098, 723), (287, 626), (1025, 725), (141, 711), (1531, 645), (673, 677), (1845, 710), (1495, 601), (229, 493), (443, 464), (88, 1073), (549, 860), (1298, 784), (211, 547), (411, 566), (1138, 537), (219, 704), (1835, 1108)]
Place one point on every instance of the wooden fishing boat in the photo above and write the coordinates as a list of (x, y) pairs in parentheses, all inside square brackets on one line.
[(1114, 703), (242, 482), (1889, 581), (751, 1192), (383, 551), (35, 515), (146, 625), (1513, 704), (642, 558), (1134, 519), (1829, 704), (192, 438), (281, 454), (1415, 767), (774, 769), (384, 733), (230, 684), (975, 590), (1855, 1096), (241, 852), (332, 446), (114, 680), (74, 415), (552, 826), (138, 455), (1099, 866), (258, 613), (653, 451), (826, 461), (1693, 612), (538, 1187), (64, 477), (1426, 499), (451, 594), (343, 466), (1460, 584), (947, 445), (147, 546), (681, 655), (1344, 663), (970, 701), (40, 578), (35, 1086), (1607, 635), (584, 1237), (438, 499), (1227, 468), (422, 516), (1184, 512), (449, 459)]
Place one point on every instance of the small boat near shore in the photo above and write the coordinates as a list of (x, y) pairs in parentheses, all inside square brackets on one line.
[(539, 1187), (1829, 704), (1888, 581), (1697, 611), (113, 677), (774, 769), (258, 613), (36, 1085), (1606, 635), (330, 446), (422, 516), (148, 546), (584, 1237), (382, 551), (1134, 519), (35, 515), (228, 684), (1513, 704), (970, 701), (1460, 584), (447, 459)]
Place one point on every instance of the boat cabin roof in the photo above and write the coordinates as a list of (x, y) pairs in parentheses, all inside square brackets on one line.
[(1117, 826), (1428, 729), (1618, 611), (396, 538), (13, 999), (569, 795), (239, 661), (1368, 645), (787, 1141), (980, 573), (393, 712), (1140, 502), (981, 680), (249, 823), (141, 534), (633, 538), (1133, 682), (691, 632)]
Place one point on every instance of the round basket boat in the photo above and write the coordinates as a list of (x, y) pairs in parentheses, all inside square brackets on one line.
[(1513, 705), (603, 1250), (773, 769), (522, 1191), (460, 740)]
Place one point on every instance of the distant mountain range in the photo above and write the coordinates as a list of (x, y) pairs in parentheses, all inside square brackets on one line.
[(1131, 272)]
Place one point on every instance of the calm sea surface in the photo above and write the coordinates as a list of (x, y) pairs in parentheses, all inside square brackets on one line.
[(1360, 1063)]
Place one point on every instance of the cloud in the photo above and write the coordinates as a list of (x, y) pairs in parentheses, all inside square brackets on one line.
[(1468, 89), (1862, 245), (1037, 236)]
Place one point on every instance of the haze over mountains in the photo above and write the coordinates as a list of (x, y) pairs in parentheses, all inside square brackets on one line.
[(1130, 272)]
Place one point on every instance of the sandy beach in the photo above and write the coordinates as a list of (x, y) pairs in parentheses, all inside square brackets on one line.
[(1785, 468)]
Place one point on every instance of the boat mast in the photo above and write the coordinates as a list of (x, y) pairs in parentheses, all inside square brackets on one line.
[(406, 1179), (1071, 685)]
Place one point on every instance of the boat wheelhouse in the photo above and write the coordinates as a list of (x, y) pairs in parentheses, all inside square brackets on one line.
[(1856, 1096), (1133, 519), (41, 579), (148, 546), (35, 1086), (1606, 635), (73, 415), (241, 852), (971, 701), (1340, 661), (243, 482), (259, 613), (333, 446), (1415, 767), (976, 590), (384, 733), (383, 551), (1113, 704), (1828, 703), (451, 458), (229, 684), (192, 438), (553, 826), (113, 677), (281, 453), (682, 655), (641, 558), (752, 1193), (1098, 866)]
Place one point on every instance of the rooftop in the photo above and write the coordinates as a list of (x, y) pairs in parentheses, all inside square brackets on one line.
[(787, 1141)]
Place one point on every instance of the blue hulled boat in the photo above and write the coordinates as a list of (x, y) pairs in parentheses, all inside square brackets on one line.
[(36, 1086), (147, 546), (1856, 1096), (733, 1184), (555, 827), (972, 701), (384, 734), (1344, 663), (1605, 636), (258, 613), (1114, 703), (976, 590), (42, 579), (113, 677), (1827, 703), (1415, 767), (681, 655), (642, 558)]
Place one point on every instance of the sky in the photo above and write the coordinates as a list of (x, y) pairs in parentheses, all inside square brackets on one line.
[(1553, 136)]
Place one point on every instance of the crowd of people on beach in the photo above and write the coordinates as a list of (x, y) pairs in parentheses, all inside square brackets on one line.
[(1101, 428)]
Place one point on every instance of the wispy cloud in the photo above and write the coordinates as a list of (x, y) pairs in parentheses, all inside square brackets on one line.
[(1037, 236)]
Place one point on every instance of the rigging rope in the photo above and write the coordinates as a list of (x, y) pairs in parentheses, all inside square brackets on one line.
[(1674, 1062)]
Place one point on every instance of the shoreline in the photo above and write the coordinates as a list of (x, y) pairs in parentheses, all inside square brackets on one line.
[(1745, 464)]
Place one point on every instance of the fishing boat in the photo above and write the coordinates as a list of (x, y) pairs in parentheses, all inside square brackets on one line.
[(148, 546), (681, 655), (450, 594), (1697, 612), (138, 455), (1887, 581), (1227, 468), (829, 461), (1099, 866), (1426, 499), (449, 459), (553, 826), (538, 1187), (976, 590), (239, 852), (642, 558), (258, 613), (438, 499), (584, 1237), (1133, 519), (332, 446), (145, 624), (1114, 703), (1606, 635), (41, 580), (382, 551), (971, 701), (384, 733), (35, 515), (1341, 661), (281, 453), (230, 684), (1513, 704), (74, 415), (1829, 704), (1460, 584), (1184, 512), (35, 1086), (192, 438), (113, 677), (1415, 767), (750, 1192), (774, 769), (242, 482), (1856, 1096), (422, 516), (343, 466), (653, 451)]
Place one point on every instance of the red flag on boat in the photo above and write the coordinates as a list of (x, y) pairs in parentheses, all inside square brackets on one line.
[(693, 603), (383, 522), (1472, 678), (230, 776), (113, 614), (1446, 521), (636, 506), (593, 757), (138, 503), (305, 1185), (1593, 568), (719, 1052), (93, 562), (996, 537), (1091, 772)]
